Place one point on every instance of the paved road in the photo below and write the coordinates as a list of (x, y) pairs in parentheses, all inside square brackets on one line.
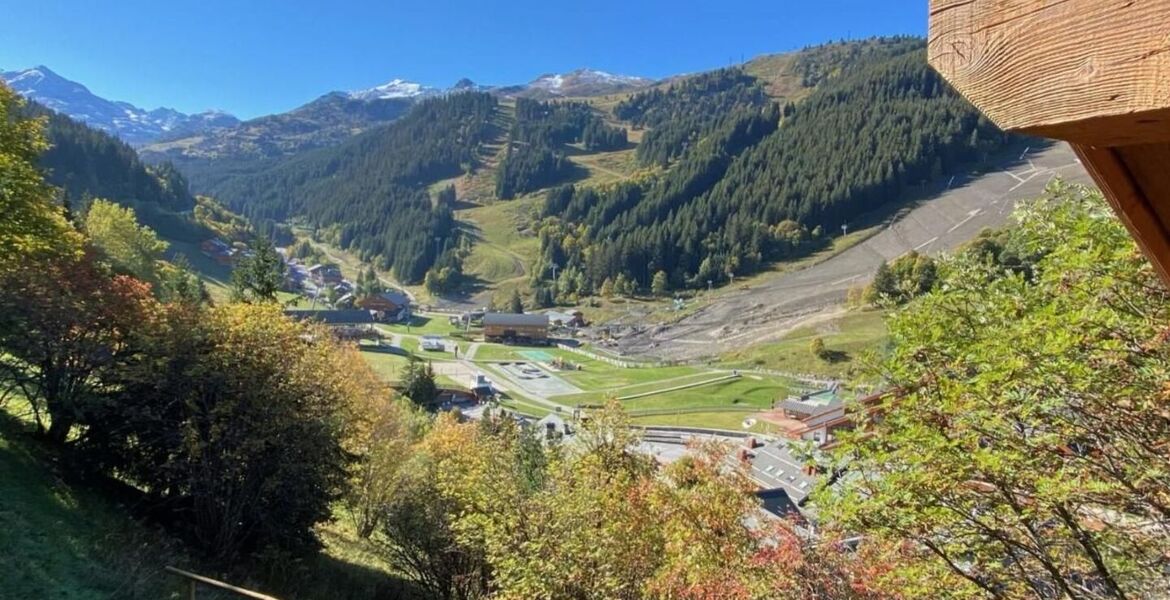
[(948, 220)]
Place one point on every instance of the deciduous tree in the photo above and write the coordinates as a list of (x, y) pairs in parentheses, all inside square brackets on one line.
[(64, 322), (241, 423), (31, 221), (131, 248), (1023, 448)]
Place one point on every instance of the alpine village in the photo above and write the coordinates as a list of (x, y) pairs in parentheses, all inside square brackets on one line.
[(880, 318)]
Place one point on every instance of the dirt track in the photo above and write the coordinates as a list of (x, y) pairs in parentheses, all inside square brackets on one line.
[(946, 221)]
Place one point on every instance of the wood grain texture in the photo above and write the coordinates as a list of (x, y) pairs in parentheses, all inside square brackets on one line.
[(1136, 182), (1094, 72)]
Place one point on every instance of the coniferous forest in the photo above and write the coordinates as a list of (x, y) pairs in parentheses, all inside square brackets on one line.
[(535, 155), (752, 182), (86, 163), (370, 192)]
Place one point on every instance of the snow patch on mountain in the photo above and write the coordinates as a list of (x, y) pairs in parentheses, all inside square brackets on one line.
[(395, 88), (133, 124), (585, 82)]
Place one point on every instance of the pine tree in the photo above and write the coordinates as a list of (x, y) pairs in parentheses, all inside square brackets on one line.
[(515, 303), (259, 276), (607, 290), (419, 383)]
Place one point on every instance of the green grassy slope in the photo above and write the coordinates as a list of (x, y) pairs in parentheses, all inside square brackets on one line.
[(852, 338), (68, 541), (63, 542)]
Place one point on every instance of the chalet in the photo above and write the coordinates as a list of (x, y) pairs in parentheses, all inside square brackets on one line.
[(219, 251), (325, 274), (388, 307), (553, 427), (808, 417), (783, 474), (511, 327)]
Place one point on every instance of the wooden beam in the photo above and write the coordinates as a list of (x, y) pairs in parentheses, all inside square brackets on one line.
[(194, 581), (1124, 178), (1093, 72)]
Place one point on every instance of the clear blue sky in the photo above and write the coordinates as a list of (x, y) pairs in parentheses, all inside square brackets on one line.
[(254, 57)]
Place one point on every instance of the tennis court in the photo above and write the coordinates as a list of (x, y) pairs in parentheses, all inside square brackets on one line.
[(536, 355)]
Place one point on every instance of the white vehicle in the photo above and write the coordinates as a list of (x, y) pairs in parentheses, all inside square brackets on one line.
[(433, 342)]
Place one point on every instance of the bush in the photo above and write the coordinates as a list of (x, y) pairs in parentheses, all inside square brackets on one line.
[(239, 423)]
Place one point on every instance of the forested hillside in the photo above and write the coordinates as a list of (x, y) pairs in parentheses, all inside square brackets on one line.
[(86, 162), (687, 111), (535, 156), (369, 193), (752, 183)]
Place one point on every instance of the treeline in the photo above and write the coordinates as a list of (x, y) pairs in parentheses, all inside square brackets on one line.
[(369, 194), (85, 163), (536, 158), (817, 64), (686, 111), (753, 190), (635, 229)]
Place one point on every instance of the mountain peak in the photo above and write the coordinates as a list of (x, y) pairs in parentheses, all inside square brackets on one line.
[(395, 88), (131, 123), (585, 82)]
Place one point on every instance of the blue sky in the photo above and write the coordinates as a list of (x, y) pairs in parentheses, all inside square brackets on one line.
[(254, 57)]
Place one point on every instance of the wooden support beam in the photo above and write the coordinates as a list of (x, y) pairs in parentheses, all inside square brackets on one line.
[(1124, 191), (1095, 73), (1091, 71)]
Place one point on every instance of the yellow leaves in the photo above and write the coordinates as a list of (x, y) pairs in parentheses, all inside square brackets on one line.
[(131, 247), (31, 223)]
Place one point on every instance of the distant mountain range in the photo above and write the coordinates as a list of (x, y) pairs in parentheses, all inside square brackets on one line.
[(134, 125), (335, 116), (574, 84)]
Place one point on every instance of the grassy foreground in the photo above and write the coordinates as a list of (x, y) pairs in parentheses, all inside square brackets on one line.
[(60, 541)]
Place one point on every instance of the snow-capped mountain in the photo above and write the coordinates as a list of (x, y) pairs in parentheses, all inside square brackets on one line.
[(395, 88), (584, 82), (134, 125)]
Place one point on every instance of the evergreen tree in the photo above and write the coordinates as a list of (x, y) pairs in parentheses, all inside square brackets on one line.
[(418, 383), (259, 275), (180, 284), (607, 290), (515, 304)]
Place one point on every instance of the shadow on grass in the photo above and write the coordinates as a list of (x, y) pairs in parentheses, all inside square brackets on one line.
[(66, 541), (835, 356), (71, 539)]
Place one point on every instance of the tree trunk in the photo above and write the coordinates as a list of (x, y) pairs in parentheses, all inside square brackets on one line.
[(59, 429)]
